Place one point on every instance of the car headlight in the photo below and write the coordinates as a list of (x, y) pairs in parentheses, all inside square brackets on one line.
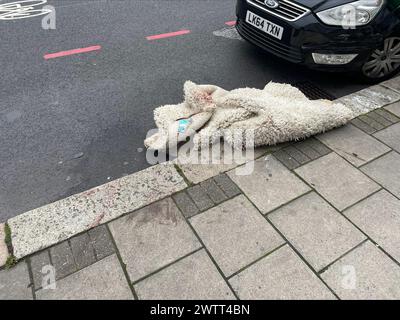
[(353, 14)]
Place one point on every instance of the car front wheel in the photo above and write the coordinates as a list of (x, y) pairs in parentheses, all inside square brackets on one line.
[(384, 62)]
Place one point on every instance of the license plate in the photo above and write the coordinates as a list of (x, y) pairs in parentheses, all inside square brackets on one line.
[(268, 27)]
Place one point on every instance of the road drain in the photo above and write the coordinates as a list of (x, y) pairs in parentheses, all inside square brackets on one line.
[(312, 91)]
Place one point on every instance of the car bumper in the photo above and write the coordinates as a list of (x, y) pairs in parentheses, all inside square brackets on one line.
[(308, 35)]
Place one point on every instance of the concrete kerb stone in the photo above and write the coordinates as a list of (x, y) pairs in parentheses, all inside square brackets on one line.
[(370, 99), (43, 227), (48, 225)]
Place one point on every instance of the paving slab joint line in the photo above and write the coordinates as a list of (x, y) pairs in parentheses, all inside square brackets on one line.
[(209, 254), (359, 169), (324, 269), (123, 265), (347, 218), (382, 84), (67, 228), (302, 258), (265, 216), (290, 201), (180, 172), (374, 159), (28, 259), (169, 264), (257, 260), (388, 87), (325, 199), (30, 274), (385, 128), (388, 111), (287, 242), (215, 205)]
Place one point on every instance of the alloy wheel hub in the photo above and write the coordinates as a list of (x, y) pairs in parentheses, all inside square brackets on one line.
[(384, 61)]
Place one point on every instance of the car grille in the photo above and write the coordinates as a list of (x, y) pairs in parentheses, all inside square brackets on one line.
[(286, 10), (268, 43)]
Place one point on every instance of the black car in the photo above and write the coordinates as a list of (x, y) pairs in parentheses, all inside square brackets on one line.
[(336, 35)]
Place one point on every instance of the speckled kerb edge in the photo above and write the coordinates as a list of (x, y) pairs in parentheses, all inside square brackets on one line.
[(53, 223), (369, 99)]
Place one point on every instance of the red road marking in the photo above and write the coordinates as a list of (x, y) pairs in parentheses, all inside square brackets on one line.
[(168, 35), (70, 52), (231, 23)]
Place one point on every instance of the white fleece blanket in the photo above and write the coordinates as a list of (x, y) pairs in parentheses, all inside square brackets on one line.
[(278, 113)]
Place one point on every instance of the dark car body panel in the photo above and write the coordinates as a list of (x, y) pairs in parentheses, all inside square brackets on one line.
[(308, 34), (319, 5)]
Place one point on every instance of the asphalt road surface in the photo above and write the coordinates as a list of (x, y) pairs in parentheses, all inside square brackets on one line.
[(74, 122)]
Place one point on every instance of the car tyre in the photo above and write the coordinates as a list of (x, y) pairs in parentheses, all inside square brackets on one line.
[(383, 63)]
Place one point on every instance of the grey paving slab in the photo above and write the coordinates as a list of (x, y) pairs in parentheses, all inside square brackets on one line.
[(38, 261), (297, 154), (316, 230), (267, 185), (213, 191), (284, 157), (317, 146), (364, 273), (185, 204), (390, 136), (82, 250), (363, 126), (193, 278), (282, 275), (235, 234), (394, 108), (63, 260), (48, 225), (104, 280), (379, 217), (353, 144), (386, 171), (15, 283), (200, 197), (393, 83), (371, 122), (337, 180), (227, 185), (101, 241), (378, 118), (387, 115), (152, 237), (306, 147)]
